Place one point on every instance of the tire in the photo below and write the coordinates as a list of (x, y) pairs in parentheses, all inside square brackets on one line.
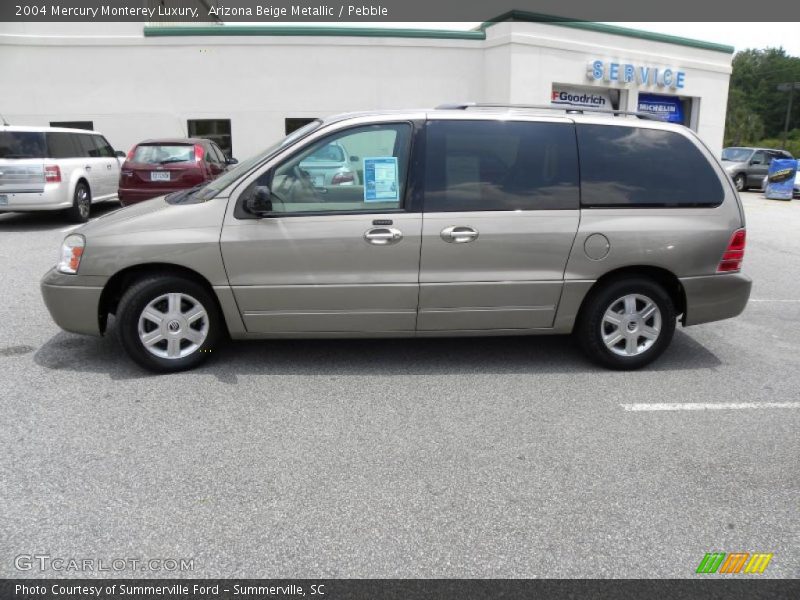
[(641, 337), (81, 204), (740, 181), (187, 334)]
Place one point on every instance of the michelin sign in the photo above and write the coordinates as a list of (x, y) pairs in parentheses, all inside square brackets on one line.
[(642, 75)]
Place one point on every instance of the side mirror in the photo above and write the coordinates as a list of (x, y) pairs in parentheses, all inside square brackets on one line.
[(231, 161), (120, 154), (354, 158), (260, 201)]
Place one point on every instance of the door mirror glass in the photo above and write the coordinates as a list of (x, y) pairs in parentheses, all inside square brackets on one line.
[(259, 202), (231, 161)]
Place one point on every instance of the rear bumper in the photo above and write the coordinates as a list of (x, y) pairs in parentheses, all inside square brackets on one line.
[(73, 301), (54, 197), (715, 297)]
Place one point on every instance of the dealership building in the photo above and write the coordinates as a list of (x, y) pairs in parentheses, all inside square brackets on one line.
[(245, 85)]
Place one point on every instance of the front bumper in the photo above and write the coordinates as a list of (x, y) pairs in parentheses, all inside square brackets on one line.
[(74, 301), (715, 297)]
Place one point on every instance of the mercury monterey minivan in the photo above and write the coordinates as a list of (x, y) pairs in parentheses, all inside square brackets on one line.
[(467, 220)]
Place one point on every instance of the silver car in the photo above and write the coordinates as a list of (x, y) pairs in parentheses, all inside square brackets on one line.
[(467, 221), (747, 167), (330, 165), (52, 168)]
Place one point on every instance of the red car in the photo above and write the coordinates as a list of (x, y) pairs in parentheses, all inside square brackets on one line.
[(157, 167)]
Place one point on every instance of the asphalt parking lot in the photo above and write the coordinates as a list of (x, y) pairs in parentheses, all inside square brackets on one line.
[(404, 458)]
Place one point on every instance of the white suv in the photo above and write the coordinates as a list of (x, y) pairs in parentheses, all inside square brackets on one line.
[(50, 168)]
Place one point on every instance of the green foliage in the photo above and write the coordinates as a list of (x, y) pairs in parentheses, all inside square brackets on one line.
[(792, 146), (756, 108)]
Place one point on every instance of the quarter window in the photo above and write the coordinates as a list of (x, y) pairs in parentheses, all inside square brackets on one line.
[(636, 166), (61, 145), (500, 166), (361, 169)]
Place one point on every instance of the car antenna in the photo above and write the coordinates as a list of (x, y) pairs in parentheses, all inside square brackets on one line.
[(6, 123)]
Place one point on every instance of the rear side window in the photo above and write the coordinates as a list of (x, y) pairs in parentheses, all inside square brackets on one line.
[(61, 145), (87, 145), (500, 165), (633, 166), (163, 154), (22, 144)]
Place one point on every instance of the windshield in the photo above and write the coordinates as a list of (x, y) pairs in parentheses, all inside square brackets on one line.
[(22, 144), (736, 154), (160, 154), (220, 183)]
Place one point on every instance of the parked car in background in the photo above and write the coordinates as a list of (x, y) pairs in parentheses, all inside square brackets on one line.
[(487, 226), (748, 166), (330, 165), (52, 168), (158, 167)]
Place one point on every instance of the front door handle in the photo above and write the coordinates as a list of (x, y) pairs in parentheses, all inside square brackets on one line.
[(459, 235), (108, 167), (88, 167), (383, 236)]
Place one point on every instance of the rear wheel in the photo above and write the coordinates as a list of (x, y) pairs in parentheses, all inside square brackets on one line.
[(626, 323), (81, 204), (741, 182), (168, 323)]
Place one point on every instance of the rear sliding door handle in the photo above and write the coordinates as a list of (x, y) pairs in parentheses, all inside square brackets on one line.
[(459, 235), (383, 236)]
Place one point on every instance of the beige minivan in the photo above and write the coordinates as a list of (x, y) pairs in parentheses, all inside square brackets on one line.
[(467, 220)]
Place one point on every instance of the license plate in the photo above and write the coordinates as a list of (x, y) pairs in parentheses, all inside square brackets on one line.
[(3, 200), (159, 176)]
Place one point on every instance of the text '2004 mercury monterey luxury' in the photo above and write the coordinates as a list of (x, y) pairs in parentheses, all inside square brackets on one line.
[(464, 220)]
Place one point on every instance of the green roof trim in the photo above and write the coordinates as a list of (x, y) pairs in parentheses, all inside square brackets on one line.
[(298, 30), (530, 17)]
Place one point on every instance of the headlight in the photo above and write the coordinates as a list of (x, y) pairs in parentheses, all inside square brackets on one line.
[(71, 252)]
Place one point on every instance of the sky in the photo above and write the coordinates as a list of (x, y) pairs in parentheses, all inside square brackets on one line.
[(739, 35)]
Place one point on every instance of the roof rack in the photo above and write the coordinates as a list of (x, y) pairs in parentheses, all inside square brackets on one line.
[(567, 109)]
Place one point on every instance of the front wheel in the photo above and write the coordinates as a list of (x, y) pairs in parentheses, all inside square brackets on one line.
[(168, 323), (626, 324), (740, 182)]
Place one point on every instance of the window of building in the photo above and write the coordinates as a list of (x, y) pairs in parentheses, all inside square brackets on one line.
[(633, 166), (293, 124), (216, 130), (500, 165), (74, 124)]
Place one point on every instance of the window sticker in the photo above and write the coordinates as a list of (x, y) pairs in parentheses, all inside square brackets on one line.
[(381, 179)]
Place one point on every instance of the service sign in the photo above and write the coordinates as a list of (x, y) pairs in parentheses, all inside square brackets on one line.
[(626, 73)]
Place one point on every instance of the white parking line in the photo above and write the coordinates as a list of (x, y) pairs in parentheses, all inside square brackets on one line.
[(769, 300), (709, 406)]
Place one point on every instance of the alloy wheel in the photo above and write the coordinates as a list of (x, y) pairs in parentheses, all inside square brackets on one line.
[(631, 325), (173, 326)]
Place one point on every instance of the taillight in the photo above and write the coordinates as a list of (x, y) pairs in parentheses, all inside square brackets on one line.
[(341, 178), (199, 153), (52, 174), (130, 154), (734, 253)]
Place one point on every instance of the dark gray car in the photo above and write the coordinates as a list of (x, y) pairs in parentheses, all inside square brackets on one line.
[(747, 167), (463, 222)]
